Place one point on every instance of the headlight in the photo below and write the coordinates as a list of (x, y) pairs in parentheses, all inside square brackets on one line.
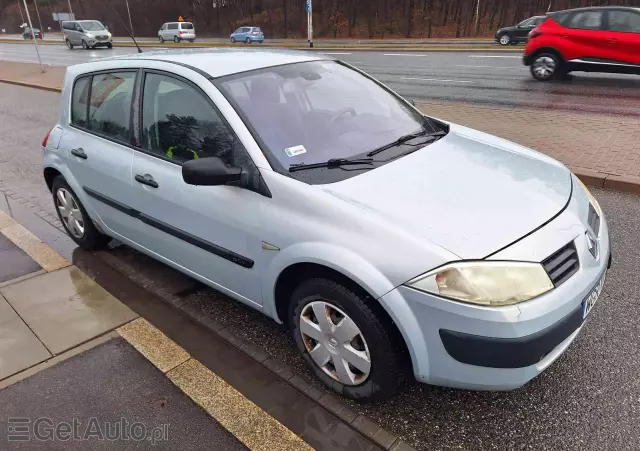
[(109, 35), (486, 283), (592, 199)]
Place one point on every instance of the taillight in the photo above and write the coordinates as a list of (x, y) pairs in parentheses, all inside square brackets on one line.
[(180, 32), (535, 33), (46, 137)]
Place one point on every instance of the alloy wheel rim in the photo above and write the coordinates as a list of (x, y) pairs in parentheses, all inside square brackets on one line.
[(70, 213), (335, 343), (544, 66), (504, 39)]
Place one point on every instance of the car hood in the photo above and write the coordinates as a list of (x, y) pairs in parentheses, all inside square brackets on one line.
[(469, 192)]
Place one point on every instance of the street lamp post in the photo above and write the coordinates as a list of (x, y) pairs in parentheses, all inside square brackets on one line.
[(310, 22), (33, 35)]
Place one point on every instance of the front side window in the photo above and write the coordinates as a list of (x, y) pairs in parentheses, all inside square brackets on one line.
[(92, 25), (526, 23), (624, 21), (180, 124), (586, 20), (315, 111), (110, 106)]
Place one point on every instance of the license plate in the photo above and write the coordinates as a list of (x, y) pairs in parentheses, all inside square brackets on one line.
[(590, 300)]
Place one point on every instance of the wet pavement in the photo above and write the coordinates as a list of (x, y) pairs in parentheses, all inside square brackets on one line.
[(588, 400), (109, 397), (14, 262)]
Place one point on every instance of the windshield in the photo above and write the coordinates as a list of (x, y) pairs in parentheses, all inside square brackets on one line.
[(91, 25), (315, 111)]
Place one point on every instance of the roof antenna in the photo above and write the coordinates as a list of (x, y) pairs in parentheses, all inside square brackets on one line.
[(125, 27)]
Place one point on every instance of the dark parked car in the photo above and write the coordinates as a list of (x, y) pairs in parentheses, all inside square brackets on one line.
[(518, 33), (26, 34)]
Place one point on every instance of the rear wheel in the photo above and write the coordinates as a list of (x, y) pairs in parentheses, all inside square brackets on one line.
[(344, 341), (505, 39), (192, 40), (545, 66), (176, 39), (74, 217), (247, 41), (69, 44)]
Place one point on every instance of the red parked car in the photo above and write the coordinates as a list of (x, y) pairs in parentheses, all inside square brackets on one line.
[(604, 39)]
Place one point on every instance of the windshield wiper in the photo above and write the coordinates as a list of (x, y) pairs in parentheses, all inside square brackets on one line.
[(331, 164), (406, 138)]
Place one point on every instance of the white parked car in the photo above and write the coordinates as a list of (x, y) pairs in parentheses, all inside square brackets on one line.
[(309, 191)]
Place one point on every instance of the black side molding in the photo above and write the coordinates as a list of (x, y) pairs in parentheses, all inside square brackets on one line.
[(509, 352), (169, 229)]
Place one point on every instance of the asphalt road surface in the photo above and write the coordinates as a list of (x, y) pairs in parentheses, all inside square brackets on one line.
[(487, 78), (588, 400)]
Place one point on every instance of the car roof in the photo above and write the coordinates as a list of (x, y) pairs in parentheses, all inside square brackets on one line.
[(221, 62), (596, 8)]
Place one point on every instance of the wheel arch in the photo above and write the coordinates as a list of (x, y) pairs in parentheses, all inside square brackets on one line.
[(557, 53), (49, 175), (295, 274)]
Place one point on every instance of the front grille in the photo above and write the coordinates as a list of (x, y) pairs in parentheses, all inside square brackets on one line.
[(594, 220), (102, 38), (562, 264)]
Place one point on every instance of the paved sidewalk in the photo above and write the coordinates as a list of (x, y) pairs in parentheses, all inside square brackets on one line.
[(604, 150)]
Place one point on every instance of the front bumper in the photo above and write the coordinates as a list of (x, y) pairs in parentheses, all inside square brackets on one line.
[(526, 60), (467, 346), (100, 43)]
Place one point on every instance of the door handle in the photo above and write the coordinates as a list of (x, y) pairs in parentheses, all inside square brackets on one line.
[(146, 180), (79, 152)]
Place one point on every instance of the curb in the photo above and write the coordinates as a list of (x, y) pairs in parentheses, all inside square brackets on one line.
[(30, 85), (317, 48), (312, 390)]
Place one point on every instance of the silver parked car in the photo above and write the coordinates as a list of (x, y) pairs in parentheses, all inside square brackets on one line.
[(309, 191), (86, 33), (177, 31)]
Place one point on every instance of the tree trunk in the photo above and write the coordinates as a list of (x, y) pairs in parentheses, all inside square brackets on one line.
[(285, 6), (409, 17), (430, 19)]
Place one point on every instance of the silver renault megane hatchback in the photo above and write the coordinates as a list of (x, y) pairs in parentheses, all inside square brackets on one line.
[(305, 189)]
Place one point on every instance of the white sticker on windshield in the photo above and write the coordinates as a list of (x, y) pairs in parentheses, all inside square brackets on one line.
[(293, 151)]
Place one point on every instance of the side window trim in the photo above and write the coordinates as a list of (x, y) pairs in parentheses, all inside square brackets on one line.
[(87, 129)]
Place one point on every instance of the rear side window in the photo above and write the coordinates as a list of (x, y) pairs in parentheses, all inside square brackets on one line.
[(624, 21), (586, 20), (172, 26), (80, 101), (246, 30), (186, 26), (110, 107)]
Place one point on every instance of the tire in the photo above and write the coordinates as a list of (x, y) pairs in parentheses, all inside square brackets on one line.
[(372, 341), (192, 41), (69, 44), (247, 41), (176, 39), (90, 239), (161, 39), (109, 46), (233, 40), (85, 46), (545, 66), (505, 39)]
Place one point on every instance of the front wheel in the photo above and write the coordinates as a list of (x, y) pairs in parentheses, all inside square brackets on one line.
[(233, 40), (505, 39), (74, 217), (109, 46), (545, 66), (344, 341), (85, 45), (69, 44), (161, 39)]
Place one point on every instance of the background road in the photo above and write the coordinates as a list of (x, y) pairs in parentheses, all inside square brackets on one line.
[(588, 400), (489, 78)]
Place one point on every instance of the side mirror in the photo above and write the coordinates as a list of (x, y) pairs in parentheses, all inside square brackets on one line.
[(209, 171)]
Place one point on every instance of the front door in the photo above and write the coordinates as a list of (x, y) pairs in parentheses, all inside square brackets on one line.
[(97, 146), (624, 35), (212, 231)]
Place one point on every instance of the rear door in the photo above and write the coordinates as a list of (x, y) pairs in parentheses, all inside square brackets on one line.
[(585, 36), (97, 145), (624, 35), (523, 29)]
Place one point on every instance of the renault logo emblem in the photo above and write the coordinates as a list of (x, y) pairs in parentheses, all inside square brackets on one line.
[(592, 244)]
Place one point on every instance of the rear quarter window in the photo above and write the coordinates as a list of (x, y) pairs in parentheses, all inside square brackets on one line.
[(80, 102), (187, 26)]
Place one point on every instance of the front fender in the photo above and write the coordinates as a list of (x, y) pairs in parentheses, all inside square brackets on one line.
[(335, 257)]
